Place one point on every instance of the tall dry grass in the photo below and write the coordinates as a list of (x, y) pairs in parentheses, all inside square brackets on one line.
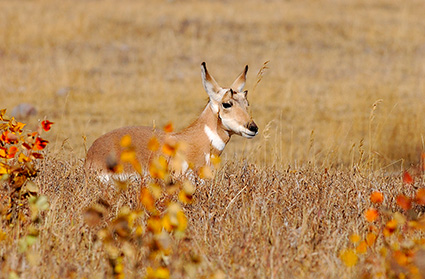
[(248, 222), (285, 202)]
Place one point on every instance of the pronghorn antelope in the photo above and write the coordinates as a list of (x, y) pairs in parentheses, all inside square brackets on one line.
[(224, 115)]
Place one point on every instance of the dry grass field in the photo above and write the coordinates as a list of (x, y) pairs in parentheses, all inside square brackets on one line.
[(339, 111)]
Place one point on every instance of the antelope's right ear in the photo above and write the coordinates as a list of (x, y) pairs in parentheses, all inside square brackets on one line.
[(210, 85)]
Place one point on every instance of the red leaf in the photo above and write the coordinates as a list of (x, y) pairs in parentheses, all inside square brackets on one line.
[(37, 155), (46, 124), (407, 178)]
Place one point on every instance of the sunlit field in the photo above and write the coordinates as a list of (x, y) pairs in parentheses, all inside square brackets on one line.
[(339, 108)]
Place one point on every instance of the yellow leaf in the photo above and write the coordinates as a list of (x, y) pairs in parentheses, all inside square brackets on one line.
[(182, 221), (159, 273), (126, 141), (205, 172), (184, 198), (399, 218), (2, 112), (215, 160), (162, 273), (166, 223), (19, 126), (2, 153), (354, 238), (158, 168), (186, 194), (128, 156), (349, 257), (139, 230), (154, 224), (153, 144), (3, 170), (22, 158), (155, 190), (119, 268)]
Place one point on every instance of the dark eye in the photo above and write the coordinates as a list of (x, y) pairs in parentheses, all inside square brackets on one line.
[(227, 105)]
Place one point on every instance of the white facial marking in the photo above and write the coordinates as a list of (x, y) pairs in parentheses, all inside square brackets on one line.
[(214, 138), (234, 126)]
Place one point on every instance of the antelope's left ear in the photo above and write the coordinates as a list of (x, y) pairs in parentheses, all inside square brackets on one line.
[(239, 82), (210, 85)]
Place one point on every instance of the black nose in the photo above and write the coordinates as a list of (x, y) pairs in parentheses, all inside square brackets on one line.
[(253, 127)]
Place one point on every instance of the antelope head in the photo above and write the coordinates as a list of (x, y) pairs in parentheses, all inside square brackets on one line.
[(230, 104)]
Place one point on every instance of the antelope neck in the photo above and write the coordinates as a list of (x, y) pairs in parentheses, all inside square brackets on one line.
[(207, 128)]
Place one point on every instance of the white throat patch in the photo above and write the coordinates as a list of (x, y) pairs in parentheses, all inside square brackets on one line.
[(214, 138)]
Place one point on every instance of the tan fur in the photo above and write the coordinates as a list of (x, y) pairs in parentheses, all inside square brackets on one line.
[(222, 123)]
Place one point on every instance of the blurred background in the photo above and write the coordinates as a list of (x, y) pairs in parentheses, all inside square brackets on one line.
[(345, 84)]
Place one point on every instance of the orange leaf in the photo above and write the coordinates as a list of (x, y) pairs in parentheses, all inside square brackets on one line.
[(404, 202), (407, 178), (169, 149), (147, 199), (362, 247), (376, 197), (153, 144), (370, 239), (46, 124), (400, 258), (390, 227), (420, 196), (168, 128), (371, 214), (12, 152), (40, 143)]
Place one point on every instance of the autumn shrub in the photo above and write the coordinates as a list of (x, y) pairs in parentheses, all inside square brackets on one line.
[(394, 243), (158, 219), (20, 202)]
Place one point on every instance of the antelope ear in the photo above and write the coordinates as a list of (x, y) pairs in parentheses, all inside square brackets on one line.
[(210, 85), (239, 82)]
